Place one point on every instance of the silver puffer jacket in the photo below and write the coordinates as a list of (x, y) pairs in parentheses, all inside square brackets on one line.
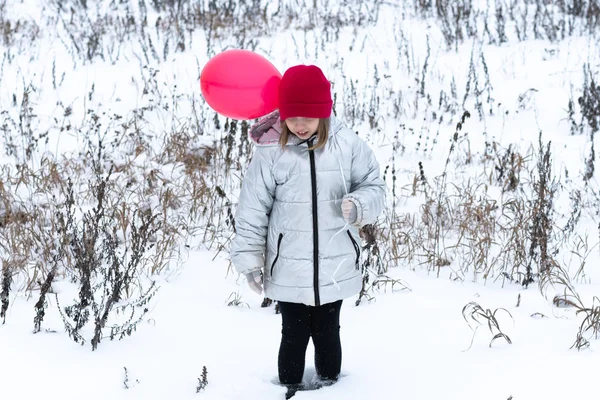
[(289, 221)]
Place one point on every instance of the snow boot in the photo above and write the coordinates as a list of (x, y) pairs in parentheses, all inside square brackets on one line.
[(324, 383), (291, 390), (318, 382)]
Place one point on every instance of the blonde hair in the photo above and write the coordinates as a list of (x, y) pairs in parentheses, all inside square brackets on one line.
[(322, 134)]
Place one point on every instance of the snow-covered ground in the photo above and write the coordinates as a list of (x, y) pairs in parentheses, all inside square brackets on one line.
[(413, 344), (409, 344)]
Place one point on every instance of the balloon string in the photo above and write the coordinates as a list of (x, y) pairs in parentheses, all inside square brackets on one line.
[(343, 177), (335, 283), (346, 190)]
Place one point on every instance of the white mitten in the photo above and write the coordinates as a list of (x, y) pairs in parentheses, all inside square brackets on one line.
[(255, 281), (349, 211)]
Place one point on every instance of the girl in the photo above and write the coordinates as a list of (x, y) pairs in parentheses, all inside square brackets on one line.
[(310, 185)]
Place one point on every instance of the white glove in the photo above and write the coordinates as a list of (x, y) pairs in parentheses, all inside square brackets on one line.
[(349, 211), (255, 281)]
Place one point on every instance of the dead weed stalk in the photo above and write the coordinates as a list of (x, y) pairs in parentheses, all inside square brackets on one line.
[(474, 313)]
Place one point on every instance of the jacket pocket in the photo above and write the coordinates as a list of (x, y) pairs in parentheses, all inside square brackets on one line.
[(356, 248), (277, 255)]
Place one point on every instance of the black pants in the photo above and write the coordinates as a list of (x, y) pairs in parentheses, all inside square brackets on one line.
[(299, 323)]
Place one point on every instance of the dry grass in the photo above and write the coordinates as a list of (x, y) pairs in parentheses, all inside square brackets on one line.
[(589, 329), (473, 313), (192, 170)]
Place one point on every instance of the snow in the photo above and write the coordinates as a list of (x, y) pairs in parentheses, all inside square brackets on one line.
[(413, 344)]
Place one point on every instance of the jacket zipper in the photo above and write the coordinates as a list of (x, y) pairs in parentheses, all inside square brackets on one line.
[(313, 178), (277, 255), (356, 248)]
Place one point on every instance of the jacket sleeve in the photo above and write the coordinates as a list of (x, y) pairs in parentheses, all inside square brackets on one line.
[(367, 190), (252, 214)]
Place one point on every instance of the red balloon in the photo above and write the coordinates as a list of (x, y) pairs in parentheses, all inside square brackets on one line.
[(240, 84)]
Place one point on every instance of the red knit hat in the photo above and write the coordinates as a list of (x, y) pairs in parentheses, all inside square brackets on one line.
[(304, 92)]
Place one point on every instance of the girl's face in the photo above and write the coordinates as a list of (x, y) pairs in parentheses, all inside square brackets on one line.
[(303, 127)]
